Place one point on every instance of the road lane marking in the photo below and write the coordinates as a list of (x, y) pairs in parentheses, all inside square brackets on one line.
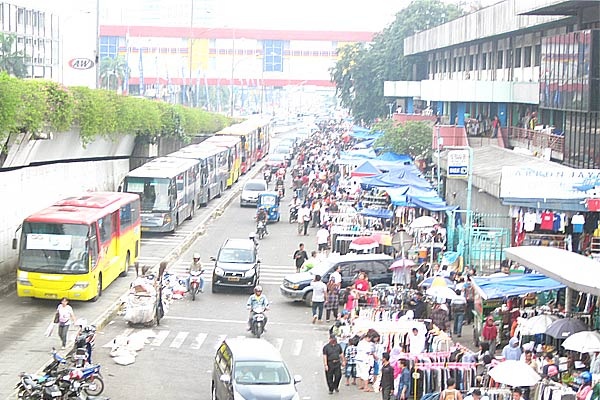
[(179, 339), (278, 344), (297, 347), (200, 338), (160, 338)]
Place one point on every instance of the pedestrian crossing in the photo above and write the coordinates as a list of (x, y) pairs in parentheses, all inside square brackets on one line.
[(269, 274), (208, 343)]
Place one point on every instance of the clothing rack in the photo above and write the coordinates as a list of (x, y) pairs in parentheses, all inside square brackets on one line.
[(549, 390)]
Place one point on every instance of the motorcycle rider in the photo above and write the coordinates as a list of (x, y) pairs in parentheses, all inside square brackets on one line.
[(257, 299), (196, 265), (261, 215)]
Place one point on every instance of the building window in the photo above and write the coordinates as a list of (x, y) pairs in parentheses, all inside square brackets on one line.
[(484, 61), (273, 55), (109, 46), (518, 57), (472, 62), (500, 59), (527, 57), (538, 55)]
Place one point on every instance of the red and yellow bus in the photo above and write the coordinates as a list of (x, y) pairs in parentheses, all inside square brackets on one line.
[(78, 246), (254, 135), (233, 145)]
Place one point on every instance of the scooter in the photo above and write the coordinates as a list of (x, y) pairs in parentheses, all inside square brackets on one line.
[(267, 175), (260, 230), (84, 344), (195, 281), (257, 326)]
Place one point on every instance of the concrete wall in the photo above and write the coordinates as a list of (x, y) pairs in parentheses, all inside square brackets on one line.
[(27, 187)]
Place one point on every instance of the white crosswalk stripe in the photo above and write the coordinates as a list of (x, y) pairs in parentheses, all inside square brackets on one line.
[(269, 274), (206, 342)]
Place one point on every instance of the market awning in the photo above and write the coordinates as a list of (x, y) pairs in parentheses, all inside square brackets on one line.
[(571, 269), (513, 285)]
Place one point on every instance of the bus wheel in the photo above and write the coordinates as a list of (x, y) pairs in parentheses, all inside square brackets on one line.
[(126, 269), (98, 289)]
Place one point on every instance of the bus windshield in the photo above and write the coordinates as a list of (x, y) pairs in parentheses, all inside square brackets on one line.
[(54, 248), (154, 192)]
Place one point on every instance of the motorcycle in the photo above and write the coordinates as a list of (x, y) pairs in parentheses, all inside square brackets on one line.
[(260, 230), (88, 379), (293, 214), (195, 283), (84, 343), (257, 326), (33, 386)]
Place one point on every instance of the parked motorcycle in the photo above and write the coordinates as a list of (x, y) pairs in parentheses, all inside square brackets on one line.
[(195, 281), (260, 230), (88, 380), (257, 326), (293, 214), (84, 344)]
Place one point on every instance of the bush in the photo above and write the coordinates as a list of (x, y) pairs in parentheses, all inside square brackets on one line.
[(36, 106)]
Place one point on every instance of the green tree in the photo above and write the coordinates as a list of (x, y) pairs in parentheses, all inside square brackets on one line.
[(412, 138), (12, 62), (112, 72), (361, 70)]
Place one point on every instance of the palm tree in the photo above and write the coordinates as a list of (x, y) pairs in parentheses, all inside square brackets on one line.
[(112, 72), (11, 62)]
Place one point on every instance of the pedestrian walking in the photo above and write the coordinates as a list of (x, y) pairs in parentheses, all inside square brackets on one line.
[(489, 334), (387, 377), (333, 358), (300, 257), (350, 356), (318, 298), (333, 300), (65, 318), (323, 239), (304, 218), (458, 307), (405, 380)]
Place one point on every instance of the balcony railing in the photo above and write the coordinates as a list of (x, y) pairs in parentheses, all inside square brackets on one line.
[(534, 139)]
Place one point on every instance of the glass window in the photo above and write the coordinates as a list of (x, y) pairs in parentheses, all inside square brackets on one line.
[(538, 55), (527, 57), (484, 61), (105, 228), (273, 55), (518, 57), (109, 46)]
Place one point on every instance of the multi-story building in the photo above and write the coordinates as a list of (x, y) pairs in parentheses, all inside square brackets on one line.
[(192, 53), (36, 36), (514, 59)]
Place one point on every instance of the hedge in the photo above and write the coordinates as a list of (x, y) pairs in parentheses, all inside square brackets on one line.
[(34, 106)]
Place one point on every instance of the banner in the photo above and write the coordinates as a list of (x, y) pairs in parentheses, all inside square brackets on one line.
[(549, 183)]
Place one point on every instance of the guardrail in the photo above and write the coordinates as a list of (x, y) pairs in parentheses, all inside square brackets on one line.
[(537, 139)]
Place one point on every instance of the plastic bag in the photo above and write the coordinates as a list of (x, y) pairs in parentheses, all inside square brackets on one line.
[(49, 329)]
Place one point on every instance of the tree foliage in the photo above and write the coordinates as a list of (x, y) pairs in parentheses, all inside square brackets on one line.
[(112, 72), (361, 70), (412, 138), (12, 62)]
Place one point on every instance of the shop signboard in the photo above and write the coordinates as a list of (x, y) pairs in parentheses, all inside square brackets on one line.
[(549, 183), (458, 164)]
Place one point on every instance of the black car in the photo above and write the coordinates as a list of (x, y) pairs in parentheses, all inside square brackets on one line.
[(236, 265)]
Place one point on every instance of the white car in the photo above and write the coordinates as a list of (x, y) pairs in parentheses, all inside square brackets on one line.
[(250, 191)]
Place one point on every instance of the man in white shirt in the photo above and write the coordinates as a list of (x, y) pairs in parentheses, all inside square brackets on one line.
[(336, 276), (322, 239), (319, 295), (416, 342)]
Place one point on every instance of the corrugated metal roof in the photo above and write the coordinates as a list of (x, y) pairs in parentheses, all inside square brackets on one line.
[(489, 160)]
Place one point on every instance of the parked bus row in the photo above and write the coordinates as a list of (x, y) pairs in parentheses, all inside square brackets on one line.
[(172, 187), (76, 247)]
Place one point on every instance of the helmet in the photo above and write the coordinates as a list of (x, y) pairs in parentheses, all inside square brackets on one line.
[(586, 377), (196, 256), (257, 288)]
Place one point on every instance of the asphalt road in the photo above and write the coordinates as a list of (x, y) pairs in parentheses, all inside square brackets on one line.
[(23, 346), (176, 361)]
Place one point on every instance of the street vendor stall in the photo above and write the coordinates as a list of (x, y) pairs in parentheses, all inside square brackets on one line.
[(490, 293)]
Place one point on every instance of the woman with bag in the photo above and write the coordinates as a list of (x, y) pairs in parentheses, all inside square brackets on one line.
[(64, 316)]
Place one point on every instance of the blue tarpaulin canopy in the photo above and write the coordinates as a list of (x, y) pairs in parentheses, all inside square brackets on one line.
[(513, 285), (377, 213), (389, 156), (365, 169)]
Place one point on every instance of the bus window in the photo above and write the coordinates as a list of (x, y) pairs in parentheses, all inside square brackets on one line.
[(105, 228), (93, 245), (126, 217)]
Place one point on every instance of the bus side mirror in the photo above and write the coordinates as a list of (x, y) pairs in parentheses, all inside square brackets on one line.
[(15, 242)]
